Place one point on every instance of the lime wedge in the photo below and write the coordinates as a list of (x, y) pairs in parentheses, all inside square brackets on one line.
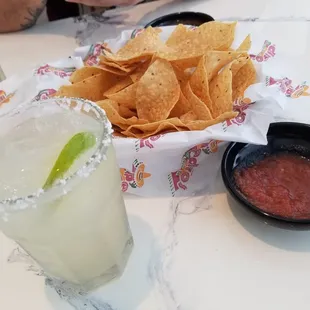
[(77, 145)]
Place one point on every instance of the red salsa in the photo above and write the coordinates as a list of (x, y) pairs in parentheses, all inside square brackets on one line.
[(278, 185)]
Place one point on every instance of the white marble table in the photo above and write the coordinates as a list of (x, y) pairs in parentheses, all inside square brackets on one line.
[(198, 253)]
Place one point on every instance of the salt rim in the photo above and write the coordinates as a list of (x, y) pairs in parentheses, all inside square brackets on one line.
[(10, 205)]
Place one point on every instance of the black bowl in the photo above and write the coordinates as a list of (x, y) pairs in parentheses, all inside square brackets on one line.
[(282, 137), (185, 18)]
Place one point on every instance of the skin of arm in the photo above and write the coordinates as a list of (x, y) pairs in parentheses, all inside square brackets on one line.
[(18, 15)]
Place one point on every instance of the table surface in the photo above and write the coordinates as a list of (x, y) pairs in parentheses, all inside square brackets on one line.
[(193, 253)]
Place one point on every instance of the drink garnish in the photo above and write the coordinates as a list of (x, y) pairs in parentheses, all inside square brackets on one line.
[(77, 145)]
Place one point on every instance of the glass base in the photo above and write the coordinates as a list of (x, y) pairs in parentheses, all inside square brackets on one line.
[(113, 273), (62, 286), (75, 295)]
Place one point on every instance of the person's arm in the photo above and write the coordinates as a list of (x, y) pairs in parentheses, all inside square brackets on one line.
[(18, 15)]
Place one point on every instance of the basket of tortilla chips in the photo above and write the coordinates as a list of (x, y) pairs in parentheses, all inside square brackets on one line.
[(174, 96)]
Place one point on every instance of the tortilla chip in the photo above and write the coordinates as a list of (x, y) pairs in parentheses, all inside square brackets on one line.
[(202, 125), (179, 34), (151, 129), (182, 107), (207, 37), (120, 85), (221, 92), (197, 106), (144, 41), (139, 48), (216, 60), (188, 117), (237, 64), (245, 45), (245, 77), (216, 35), (134, 60), (115, 105), (125, 97), (92, 88), (139, 72), (115, 71), (157, 92), (126, 113), (199, 83), (186, 62), (183, 58), (182, 76), (114, 116), (108, 79), (175, 124), (84, 73), (118, 67), (118, 134)]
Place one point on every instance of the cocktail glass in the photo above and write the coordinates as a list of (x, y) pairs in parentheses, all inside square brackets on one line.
[(77, 230)]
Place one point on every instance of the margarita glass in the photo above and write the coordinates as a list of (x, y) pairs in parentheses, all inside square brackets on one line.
[(77, 230)]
